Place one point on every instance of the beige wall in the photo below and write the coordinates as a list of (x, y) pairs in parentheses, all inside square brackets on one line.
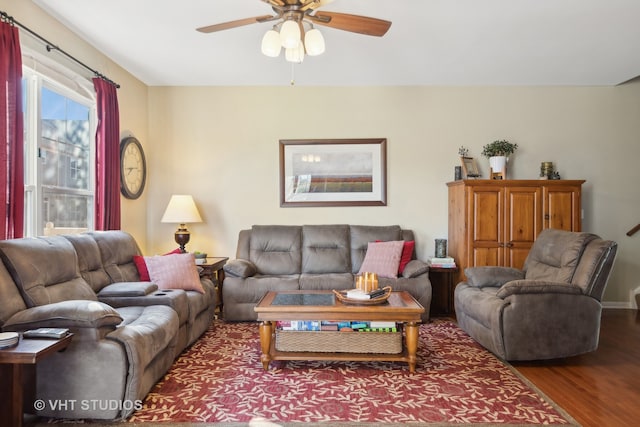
[(220, 144)]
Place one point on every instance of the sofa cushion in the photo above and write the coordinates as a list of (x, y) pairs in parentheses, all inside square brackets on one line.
[(361, 235), (127, 289), (45, 270), (555, 255), (11, 301), (89, 260), (276, 249), (382, 258), (240, 268), (66, 314), (117, 249), (177, 271), (415, 268), (325, 249)]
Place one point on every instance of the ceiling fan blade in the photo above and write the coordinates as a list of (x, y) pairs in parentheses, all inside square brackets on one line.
[(234, 24), (353, 23), (314, 4)]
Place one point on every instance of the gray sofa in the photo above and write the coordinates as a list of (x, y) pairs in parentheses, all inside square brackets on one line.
[(310, 257), (127, 333), (550, 309)]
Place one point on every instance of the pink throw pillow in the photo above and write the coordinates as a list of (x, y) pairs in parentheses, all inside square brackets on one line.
[(382, 258), (407, 251), (176, 271), (143, 272)]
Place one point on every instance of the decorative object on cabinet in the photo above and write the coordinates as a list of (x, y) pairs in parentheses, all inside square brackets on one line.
[(469, 167), (333, 172), (496, 222), (498, 152), (181, 210), (133, 168)]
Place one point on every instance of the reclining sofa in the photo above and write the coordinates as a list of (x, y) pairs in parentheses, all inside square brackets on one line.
[(127, 333), (550, 309), (310, 257)]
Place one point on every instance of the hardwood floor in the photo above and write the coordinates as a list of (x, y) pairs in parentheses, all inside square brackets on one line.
[(600, 388)]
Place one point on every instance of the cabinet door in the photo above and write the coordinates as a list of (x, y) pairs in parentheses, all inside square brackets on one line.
[(486, 230), (523, 223), (562, 208)]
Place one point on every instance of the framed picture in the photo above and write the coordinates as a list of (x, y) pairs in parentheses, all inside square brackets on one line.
[(469, 167), (333, 172)]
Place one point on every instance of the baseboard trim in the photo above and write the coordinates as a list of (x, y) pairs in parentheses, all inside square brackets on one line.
[(623, 305)]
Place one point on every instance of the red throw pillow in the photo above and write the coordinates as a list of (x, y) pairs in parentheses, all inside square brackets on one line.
[(407, 251), (141, 265)]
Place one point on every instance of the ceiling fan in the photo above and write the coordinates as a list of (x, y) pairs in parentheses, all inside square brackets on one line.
[(295, 31)]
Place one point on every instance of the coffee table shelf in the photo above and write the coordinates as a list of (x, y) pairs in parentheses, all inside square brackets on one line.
[(322, 305)]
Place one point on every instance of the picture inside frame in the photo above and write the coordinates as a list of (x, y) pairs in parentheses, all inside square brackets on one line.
[(469, 167)]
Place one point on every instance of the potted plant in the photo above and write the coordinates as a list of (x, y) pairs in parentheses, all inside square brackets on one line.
[(497, 152)]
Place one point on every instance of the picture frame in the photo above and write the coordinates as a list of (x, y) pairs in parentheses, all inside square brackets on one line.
[(469, 167), (333, 172)]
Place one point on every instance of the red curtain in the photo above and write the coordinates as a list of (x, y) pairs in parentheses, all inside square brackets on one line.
[(11, 134), (107, 206)]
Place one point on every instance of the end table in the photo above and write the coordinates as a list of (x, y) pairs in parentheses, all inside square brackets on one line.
[(442, 285), (212, 268), (12, 362)]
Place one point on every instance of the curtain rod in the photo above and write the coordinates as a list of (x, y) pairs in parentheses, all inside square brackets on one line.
[(50, 46)]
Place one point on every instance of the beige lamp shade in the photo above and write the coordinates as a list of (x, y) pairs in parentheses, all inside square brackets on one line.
[(181, 210)]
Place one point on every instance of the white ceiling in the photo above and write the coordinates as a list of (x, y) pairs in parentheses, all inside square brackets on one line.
[(431, 42)]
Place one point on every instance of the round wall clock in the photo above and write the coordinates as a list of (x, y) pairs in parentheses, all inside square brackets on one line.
[(133, 168)]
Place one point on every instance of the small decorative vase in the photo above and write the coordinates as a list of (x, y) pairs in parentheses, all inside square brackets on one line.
[(498, 163)]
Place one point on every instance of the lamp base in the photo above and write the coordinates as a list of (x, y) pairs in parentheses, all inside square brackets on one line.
[(182, 237)]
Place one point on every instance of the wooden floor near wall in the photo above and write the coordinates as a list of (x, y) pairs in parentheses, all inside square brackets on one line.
[(600, 388)]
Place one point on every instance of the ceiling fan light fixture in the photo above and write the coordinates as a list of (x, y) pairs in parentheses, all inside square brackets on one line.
[(314, 42), (295, 54), (271, 44), (290, 34)]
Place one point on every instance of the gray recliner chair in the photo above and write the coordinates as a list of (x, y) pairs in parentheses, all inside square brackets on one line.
[(549, 309)]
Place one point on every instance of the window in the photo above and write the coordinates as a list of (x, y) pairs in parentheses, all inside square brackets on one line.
[(59, 156)]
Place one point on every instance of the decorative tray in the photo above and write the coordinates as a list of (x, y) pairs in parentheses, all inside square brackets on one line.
[(342, 297)]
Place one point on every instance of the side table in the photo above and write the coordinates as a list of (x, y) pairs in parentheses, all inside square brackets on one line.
[(12, 364), (442, 285), (212, 268)]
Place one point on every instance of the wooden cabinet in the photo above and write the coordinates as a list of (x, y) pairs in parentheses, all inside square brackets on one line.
[(495, 222)]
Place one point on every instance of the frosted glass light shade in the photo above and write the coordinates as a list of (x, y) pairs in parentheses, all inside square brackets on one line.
[(295, 54), (271, 44), (289, 34), (181, 210), (314, 42)]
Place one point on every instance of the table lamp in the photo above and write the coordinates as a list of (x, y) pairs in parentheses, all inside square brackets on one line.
[(181, 209)]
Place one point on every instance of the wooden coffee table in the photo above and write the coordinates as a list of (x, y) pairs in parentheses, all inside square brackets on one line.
[(322, 305)]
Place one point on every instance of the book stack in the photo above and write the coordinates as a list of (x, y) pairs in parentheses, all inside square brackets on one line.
[(444, 262), (363, 295), (345, 326)]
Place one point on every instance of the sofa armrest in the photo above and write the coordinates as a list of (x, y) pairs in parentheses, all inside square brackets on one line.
[(415, 268), (481, 277), (240, 268), (127, 289), (520, 287), (65, 314)]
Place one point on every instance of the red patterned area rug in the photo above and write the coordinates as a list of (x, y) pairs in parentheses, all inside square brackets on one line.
[(220, 380)]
